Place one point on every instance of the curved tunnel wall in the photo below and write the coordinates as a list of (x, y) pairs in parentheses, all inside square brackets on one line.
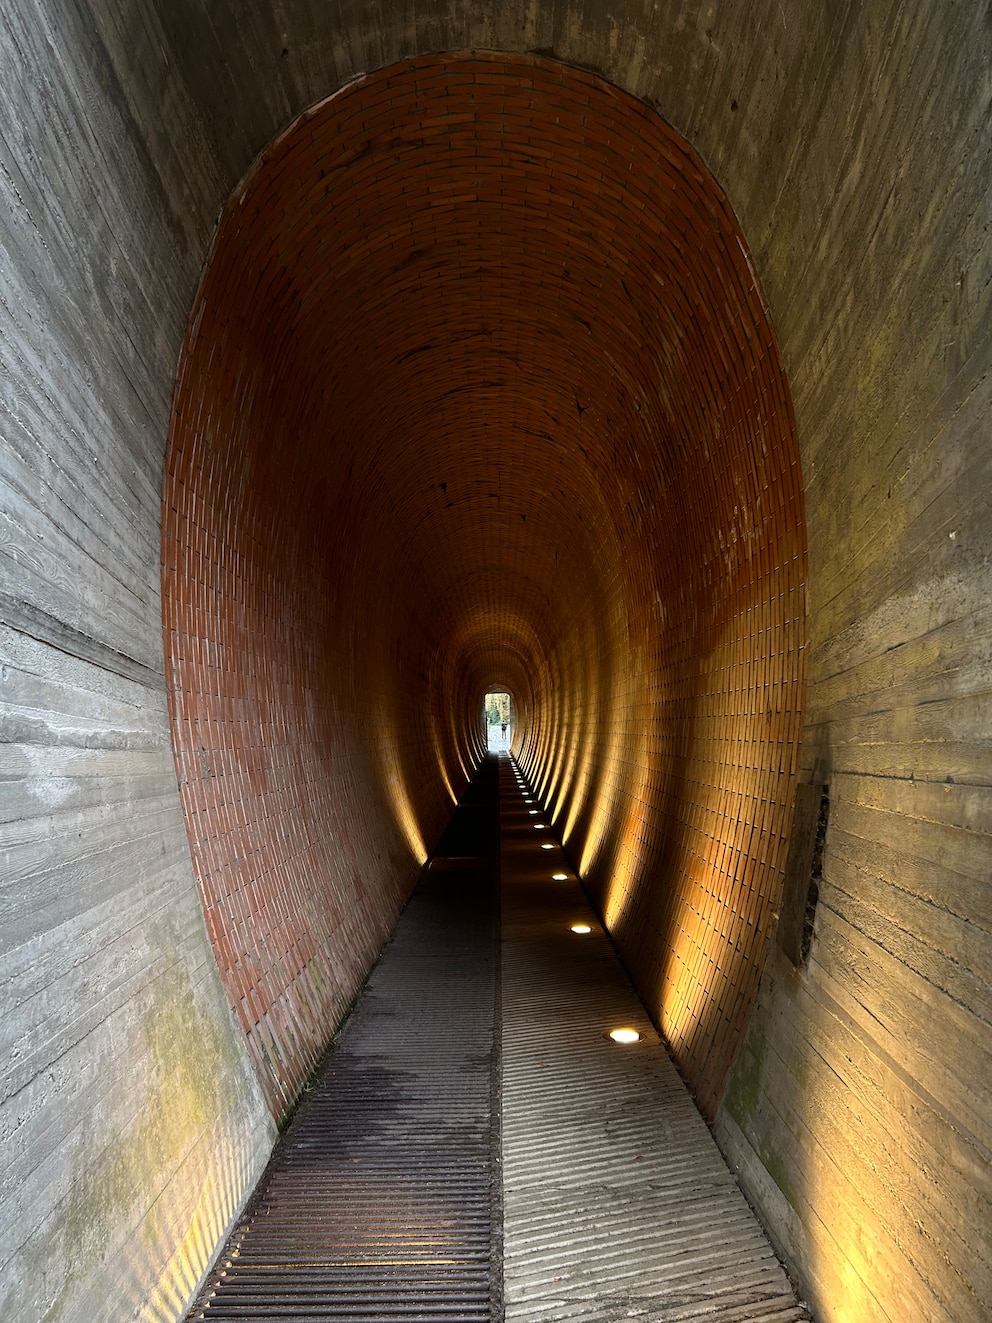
[(480, 391), (853, 142)]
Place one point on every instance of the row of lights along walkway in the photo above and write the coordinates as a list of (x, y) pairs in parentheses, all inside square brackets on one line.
[(617, 1203), (382, 1199)]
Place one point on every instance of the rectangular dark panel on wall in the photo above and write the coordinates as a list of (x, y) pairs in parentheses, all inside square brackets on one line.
[(811, 802)]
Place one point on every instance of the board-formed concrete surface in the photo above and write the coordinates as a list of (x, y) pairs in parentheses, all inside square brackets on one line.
[(852, 143)]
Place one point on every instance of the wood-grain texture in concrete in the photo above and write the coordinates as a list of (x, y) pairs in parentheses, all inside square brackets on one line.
[(853, 144)]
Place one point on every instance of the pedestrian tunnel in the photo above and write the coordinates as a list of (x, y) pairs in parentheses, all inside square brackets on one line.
[(480, 390)]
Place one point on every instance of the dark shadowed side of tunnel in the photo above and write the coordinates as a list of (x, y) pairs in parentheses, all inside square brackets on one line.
[(479, 392)]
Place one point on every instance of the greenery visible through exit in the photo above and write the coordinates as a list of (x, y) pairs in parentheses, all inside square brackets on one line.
[(498, 716)]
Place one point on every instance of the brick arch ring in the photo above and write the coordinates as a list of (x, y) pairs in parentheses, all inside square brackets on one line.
[(479, 385)]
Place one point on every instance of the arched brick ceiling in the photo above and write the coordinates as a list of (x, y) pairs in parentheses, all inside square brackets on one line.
[(479, 392)]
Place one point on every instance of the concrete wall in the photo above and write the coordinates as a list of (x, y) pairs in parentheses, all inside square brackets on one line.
[(132, 1124), (853, 145)]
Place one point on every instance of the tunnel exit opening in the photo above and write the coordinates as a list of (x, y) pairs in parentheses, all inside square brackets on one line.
[(497, 714)]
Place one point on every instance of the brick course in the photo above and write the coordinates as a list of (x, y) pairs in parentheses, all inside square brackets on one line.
[(479, 392)]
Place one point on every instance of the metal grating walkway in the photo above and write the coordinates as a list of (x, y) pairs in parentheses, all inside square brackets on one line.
[(383, 1200), (378, 1202)]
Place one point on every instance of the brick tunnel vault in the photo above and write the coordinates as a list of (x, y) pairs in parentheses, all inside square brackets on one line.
[(479, 391)]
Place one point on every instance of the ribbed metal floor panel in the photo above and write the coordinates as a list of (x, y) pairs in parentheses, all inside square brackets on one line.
[(379, 1201), (617, 1203), (382, 1201)]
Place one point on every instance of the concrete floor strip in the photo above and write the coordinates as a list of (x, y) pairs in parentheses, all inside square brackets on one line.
[(617, 1203)]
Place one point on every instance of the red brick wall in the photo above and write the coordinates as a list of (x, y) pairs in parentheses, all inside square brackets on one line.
[(479, 392)]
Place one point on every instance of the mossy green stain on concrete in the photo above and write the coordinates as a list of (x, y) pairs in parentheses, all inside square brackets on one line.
[(744, 1091), (193, 1068), (743, 1102), (196, 1065), (773, 1164)]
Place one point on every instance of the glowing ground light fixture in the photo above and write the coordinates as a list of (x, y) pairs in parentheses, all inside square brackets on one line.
[(546, 845), (559, 877), (581, 928), (624, 1035)]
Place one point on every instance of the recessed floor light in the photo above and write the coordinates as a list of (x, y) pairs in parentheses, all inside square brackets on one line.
[(624, 1035), (559, 877), (538, 826), (581, 928), (532, 810), (546, 845)]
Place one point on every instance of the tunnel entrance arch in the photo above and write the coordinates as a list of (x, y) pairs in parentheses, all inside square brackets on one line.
[(584, 474)]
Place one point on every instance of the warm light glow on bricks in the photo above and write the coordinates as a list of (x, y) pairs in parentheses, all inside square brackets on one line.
[(542, 446)]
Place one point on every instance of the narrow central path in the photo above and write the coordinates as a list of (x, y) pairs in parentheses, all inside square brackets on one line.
[(477, 1143), (379, 1201)]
